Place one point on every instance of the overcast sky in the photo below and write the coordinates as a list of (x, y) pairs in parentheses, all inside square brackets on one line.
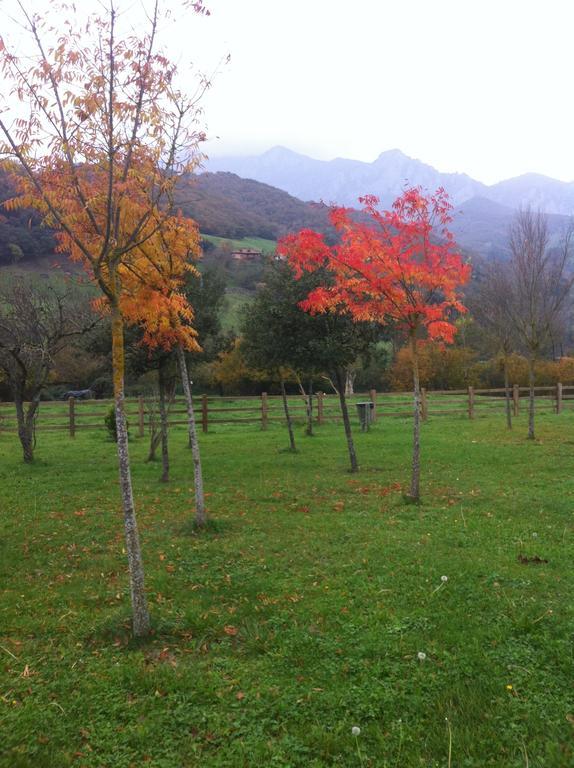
[(480, 86), (477, 86)]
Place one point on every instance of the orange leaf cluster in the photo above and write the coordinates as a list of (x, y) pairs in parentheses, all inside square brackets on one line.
[(143, 268)]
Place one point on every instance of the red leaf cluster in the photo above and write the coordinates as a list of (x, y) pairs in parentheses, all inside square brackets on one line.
[(399, 266)]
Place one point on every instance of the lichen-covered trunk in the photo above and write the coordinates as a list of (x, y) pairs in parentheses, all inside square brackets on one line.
[(531, 361), (507, 395), (164, 427), (346, 421), (200, 511), (288, 416), (416, 466), (140, 614), (25, 420)]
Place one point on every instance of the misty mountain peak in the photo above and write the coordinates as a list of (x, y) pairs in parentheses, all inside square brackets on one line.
[(392, 154), (279, 151), (343, 180)]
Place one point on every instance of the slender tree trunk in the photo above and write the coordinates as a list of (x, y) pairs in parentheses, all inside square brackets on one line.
[(416, 470), (164, 427), (531, 361), (140, 614), (309, 430), (25, 421), (287, 416), (154, 442), (200, 511), (346, 421), (349, 382), (507, 395), (154, 433)]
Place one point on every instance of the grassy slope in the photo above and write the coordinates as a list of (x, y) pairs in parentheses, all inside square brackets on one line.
[(237, 297), (235, 300), (302, 614), (266, 246)]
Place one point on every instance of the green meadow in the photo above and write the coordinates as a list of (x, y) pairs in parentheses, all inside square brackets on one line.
[(258, 243), (314, 603)]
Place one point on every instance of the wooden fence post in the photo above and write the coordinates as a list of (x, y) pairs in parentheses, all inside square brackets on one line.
[(141, 417), (373, 396), (471, 402), (516, 398), (264, 410), (559, 398), (204, 412), (72, 416), (424, 404), (319, 408)]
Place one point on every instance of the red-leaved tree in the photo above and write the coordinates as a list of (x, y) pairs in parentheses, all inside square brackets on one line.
[(398, 267)]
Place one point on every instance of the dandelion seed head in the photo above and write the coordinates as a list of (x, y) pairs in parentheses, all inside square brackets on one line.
[(355, 730), (421, 655), (444, 579)]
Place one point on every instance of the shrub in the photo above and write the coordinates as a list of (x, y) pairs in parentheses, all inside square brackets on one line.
[(110, 422)]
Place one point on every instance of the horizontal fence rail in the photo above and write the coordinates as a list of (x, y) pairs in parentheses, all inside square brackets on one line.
[(75, 415)]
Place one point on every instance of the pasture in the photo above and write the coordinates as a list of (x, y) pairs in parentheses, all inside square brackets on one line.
[(314, 602)]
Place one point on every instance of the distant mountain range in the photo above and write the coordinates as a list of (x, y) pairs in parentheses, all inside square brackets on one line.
[(344, 181), (229, 206)]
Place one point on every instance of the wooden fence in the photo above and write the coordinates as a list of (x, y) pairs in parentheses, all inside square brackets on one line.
[(75, 415)]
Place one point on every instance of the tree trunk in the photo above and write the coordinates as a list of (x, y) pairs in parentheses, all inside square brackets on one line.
[(416, 470), (309, 429), (140, 614), (531, 361), (346, 421), (288, 416), (164, 427), (25, 421), (349, 382), (200, 512), (154, 441), (507, 395)]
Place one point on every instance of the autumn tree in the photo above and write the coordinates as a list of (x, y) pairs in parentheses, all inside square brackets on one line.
[(100, 131), (489, 303), (205, 292), (279, 335), (154, 299), (37, 321), (539, 286), (399, 266)]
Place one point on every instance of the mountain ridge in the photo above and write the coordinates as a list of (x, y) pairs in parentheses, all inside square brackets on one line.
[(343, 180)]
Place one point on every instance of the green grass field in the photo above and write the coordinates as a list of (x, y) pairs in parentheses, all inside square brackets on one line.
[(302, 611), (235, 300), (260, 243)]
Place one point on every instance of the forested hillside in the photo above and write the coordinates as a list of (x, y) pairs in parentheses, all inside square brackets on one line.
[(230, 207), (223, 205), (226, 205), (22, 238)]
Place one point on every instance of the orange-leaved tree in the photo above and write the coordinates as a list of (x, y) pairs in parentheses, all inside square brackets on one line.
[(398, 267), (154, 300), (92, 116)]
